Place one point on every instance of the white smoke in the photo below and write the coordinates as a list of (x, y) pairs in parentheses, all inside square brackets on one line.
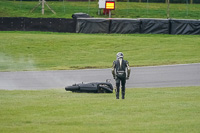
[(8, 63)]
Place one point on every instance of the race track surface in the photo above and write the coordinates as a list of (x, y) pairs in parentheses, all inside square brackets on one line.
[(153, 76)]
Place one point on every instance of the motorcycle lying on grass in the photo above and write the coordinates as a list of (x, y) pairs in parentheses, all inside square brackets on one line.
[(94, 87)]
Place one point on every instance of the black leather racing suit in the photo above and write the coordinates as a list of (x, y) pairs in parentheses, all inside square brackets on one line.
[(119, 69)]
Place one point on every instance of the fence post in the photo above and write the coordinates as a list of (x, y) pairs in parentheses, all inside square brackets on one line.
[(168, 12), (42, 7), (191, 1)]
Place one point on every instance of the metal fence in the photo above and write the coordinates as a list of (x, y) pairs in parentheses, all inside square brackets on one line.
[(128, 9), (155, 1)]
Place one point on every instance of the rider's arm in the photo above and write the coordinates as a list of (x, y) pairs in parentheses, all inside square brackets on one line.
[(128, 70), (113, 70)]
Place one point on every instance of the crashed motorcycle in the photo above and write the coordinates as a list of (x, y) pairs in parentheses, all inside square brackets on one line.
[(94, 87)]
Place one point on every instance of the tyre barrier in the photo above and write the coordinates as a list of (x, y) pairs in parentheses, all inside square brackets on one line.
[(102, 25), (37, 24)]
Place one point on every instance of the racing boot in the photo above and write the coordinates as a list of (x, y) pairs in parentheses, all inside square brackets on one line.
[(123, 95), (117, 95)]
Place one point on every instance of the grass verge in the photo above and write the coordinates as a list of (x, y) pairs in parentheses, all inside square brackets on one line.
[(65, 9), (56, 51), (143, 110)]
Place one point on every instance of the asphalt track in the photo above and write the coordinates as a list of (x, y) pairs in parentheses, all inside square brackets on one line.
[(152, 76)]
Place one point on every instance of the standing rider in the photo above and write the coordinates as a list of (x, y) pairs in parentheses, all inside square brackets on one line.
[(119, 69)]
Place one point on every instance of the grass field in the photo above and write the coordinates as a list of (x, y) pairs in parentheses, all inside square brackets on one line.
[(151, 110), (144, 110), (123, 9), (54, 51)]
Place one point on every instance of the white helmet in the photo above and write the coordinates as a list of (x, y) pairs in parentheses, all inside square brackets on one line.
[(120, 55)]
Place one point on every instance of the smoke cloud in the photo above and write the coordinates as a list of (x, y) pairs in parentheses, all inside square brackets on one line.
[(8, 63)]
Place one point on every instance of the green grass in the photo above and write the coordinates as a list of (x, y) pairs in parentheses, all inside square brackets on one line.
[(123, 10), (58, 51), (144, 110)]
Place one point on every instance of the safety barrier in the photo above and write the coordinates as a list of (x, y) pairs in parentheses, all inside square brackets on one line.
[(155, 26), (37, 24), (92, 25), (102, 25), (125, 26), (190, 27), (143, 26)]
